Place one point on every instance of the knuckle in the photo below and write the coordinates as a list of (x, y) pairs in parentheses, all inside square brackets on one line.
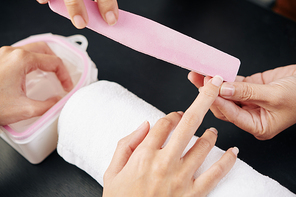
[(161, 167), (105, 2), (71, 3), (122, 142), (191, 120), (247, 93), (5, 49), (219, 115), (261, 132), (218, 170), (178, 181), (28, 112), (19, 53), (165, 122), (205, 144), (42, 44), (209, 93), (263, 135)]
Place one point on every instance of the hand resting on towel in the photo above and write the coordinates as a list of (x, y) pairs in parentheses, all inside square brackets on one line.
[(145, 165)]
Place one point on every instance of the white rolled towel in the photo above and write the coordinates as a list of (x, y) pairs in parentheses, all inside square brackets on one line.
[(97, 116)]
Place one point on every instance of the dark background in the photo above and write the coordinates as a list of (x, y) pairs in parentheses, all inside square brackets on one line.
[(261, 39)]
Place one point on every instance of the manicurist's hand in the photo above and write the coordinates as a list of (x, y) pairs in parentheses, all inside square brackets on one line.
[(142, 167), (15, 63), (263, 104), (79, 16)]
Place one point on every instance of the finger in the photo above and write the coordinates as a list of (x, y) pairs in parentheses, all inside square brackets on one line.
[(42, 1), (38, 47), (199, 151), (124, 150), (209, 179), (199, 80), (32, 108), (247, 119), (247, 92), (108, 10), (49, 63), (161, 130), (193, 116), (77, 13), (217, 113), (196, 79)]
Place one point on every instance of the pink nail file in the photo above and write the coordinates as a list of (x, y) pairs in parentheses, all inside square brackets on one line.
[(159, 41)]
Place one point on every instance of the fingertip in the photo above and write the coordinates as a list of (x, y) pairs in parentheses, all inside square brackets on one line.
[(190, 76), (196, 79), (235, 151), (77, 13), (217, 80), (79, 22), (143, 125), (110, 18), (214, 130), (50, 102), (180, 112), (109, 11), (68, 85), (42, 1)]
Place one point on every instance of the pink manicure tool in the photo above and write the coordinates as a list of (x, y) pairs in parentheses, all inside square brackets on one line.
[(159, 41)]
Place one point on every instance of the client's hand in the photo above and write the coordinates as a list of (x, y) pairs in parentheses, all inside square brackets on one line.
[(142, 167), (79, 16), (263, 104), (15, 63)]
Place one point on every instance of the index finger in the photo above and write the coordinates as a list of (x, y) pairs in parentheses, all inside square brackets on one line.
[(193, 116)]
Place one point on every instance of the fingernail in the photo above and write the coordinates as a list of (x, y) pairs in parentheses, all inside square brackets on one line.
[(79, 21), (110, 18), (226, 90), (217, 80), (180, 112), (214, 130), (235, 150), (142, 125), (42, 1)]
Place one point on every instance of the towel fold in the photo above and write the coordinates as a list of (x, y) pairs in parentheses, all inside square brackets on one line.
[(96, 117)]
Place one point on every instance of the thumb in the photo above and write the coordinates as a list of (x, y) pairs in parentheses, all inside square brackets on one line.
[(125, 148), (246, 92)]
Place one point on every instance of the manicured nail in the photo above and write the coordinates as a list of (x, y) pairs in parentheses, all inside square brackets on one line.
[(142, 125), (217, 80), (214, 130), (42, 1), (110, 18), (180, 112), (227, 90), (79, 21), (235, 150)]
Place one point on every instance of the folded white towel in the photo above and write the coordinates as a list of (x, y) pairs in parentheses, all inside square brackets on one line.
[(96, 117)]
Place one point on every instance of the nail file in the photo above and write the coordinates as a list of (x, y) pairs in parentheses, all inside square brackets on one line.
[(159, 41)]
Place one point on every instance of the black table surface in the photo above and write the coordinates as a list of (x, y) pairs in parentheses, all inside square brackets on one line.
[(261, 39)]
